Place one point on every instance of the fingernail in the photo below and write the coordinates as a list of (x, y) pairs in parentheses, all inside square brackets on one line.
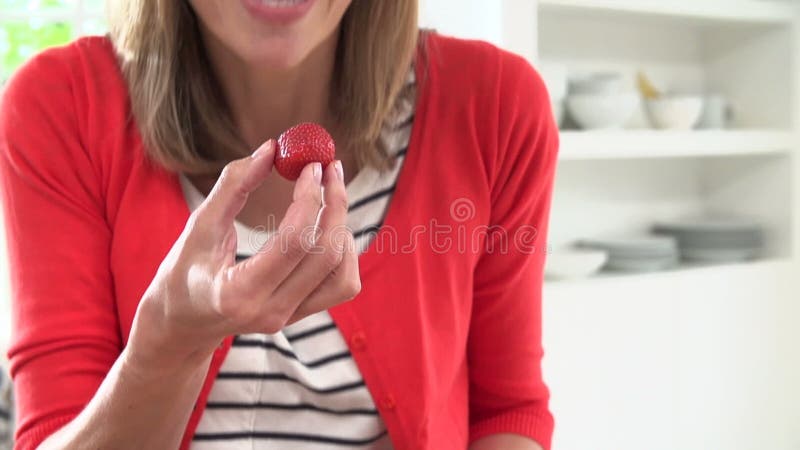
[(317, 172), (263, 149), (339, 170)]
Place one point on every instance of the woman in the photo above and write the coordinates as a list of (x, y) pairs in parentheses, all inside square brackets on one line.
[(157, 304)]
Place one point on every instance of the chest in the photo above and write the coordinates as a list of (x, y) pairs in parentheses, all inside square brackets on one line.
[(267, 204)]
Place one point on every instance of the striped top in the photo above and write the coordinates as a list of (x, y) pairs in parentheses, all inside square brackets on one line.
[(300, 388), (6, 410)]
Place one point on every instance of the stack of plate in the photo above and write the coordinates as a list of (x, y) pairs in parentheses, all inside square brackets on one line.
[(565, 264), (715, 240), (637, 254)]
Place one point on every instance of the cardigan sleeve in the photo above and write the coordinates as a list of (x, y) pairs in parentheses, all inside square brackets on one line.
[(507, 393), (65, 335)]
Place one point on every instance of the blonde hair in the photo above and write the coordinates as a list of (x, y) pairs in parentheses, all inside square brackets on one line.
[(178, 104)]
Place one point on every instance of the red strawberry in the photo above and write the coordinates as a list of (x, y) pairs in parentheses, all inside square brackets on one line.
[(301, 145)]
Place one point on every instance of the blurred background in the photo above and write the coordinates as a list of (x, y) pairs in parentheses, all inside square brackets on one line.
[(672, 300)]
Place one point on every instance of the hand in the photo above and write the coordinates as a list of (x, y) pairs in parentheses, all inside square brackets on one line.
[(200, 295)]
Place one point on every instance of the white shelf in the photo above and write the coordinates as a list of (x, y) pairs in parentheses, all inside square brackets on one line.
[(742, 11), (682, 274), (636, 144)]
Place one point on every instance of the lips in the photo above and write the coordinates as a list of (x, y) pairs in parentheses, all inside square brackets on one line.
[(278, 11)]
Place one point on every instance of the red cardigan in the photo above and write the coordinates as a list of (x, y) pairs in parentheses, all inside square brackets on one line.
[(447, 336)]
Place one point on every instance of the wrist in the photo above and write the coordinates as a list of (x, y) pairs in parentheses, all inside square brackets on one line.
[(145, 370), (156, 344)]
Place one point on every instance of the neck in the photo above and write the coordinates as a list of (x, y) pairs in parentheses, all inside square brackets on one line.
[(265, 101)]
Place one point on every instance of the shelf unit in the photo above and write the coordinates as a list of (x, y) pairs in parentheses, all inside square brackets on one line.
[(627, 179)]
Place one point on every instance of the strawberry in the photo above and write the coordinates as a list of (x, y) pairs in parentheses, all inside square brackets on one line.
[(301, 145)]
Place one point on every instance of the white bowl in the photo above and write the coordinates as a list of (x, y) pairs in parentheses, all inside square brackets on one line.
[(570, 264), (675, 113), (604, 111), (601, 83)]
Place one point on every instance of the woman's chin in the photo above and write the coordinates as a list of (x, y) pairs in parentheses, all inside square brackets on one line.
[(273, 57)]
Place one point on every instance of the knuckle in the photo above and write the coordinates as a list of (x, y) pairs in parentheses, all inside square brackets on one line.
[(195, 216), (294, 246), (332, 257), (349, 287), (349, 242), (196, 222), (339, 204), (232, 170), (232, 174), (228, 174), (314, 197), (235, 305), (227, 307), (316, 194), (274, 323)]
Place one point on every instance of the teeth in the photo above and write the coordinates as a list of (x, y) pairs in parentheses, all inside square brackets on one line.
[(281, 3)]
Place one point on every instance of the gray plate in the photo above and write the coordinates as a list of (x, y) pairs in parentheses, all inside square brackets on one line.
[(714, 225), (641, 264), (654, 246), (720, 255)]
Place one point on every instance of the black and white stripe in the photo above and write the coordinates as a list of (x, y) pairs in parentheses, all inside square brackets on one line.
[(305, 439), (292, 407), (296, 389), (6, 410), (300, 388), (240, 341)]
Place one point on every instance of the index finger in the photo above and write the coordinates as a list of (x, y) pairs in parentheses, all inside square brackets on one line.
[(296, 233)]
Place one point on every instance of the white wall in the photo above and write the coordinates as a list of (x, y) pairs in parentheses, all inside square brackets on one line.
[(476, 19), (505, 23)]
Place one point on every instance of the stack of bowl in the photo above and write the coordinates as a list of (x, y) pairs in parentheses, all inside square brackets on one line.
[(715, 240), (601, 101), (637, 254)]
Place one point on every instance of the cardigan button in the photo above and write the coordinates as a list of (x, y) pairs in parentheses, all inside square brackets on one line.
[(358, 341), (389, 403)]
